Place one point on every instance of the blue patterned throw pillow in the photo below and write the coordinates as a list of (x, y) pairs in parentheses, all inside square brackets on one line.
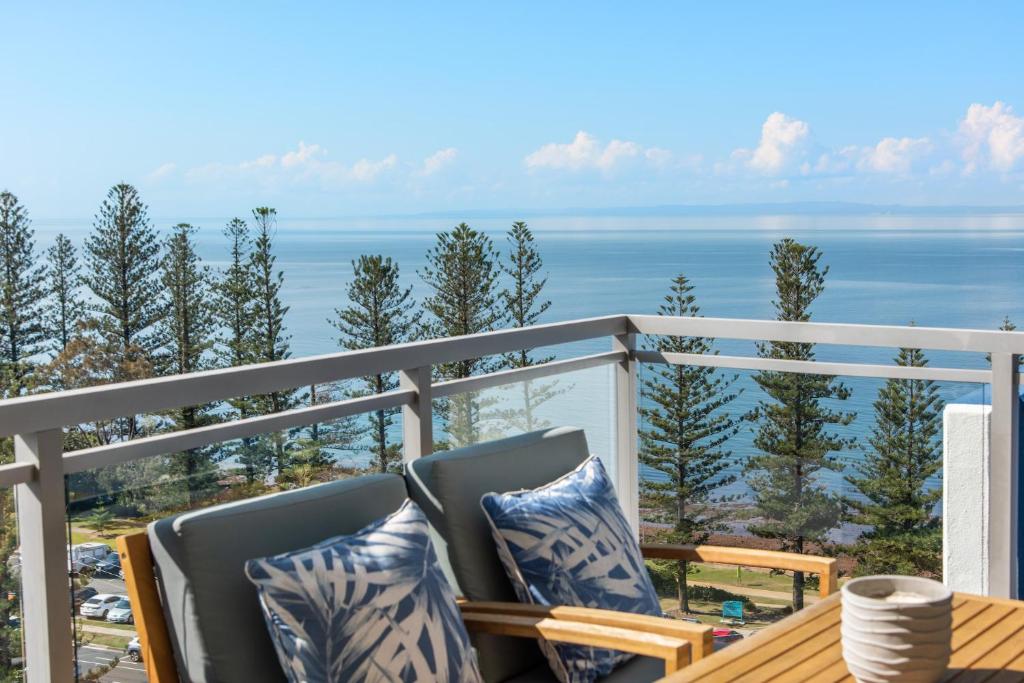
[(372, 606), (568, 543)]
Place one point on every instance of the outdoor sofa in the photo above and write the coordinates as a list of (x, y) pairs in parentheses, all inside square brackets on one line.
[(199, 619)]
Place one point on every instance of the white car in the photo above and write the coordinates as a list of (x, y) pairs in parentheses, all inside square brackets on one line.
[(98, 606)]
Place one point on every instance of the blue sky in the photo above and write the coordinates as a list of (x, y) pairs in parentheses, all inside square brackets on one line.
[(379, 108)]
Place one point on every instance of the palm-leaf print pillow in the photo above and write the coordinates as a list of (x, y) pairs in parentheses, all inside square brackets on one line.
[(372, 606), (568, 543)]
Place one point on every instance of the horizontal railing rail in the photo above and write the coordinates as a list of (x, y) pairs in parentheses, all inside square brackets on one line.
[(817, 367), (843, 334), (503, 377), (176, 442), (60, 409), (37, 421)]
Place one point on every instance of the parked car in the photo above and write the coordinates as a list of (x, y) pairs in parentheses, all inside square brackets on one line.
[(83, 565), (86, 554), (134, 650), (724, 636), (109, 568), (98, 606), (83, 594), (121, 612)]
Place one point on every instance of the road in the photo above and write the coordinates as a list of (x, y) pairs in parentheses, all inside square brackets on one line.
[(113, 586), (92, 656)]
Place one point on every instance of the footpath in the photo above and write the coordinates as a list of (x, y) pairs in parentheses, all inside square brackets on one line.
[(108, 631), (809, 599)]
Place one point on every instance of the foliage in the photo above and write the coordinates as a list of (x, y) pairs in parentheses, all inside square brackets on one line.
[(66, 308), (462, 275), (10, 637), (380, 312), (524, 307), (793, 438), (906, 451), (123, 259), (234, 308), (91, 359), (21, 295), (269, 340), (187, 335), (683, 408), (123, 275), (312, 456), (99, 519), (664, 576)]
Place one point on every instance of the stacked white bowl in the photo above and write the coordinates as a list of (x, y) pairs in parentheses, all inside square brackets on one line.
[(896, 628)]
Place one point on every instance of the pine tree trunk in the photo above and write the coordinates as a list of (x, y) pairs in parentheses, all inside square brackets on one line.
[(798, 580), (684, 592), (382, 442), (381, 436)]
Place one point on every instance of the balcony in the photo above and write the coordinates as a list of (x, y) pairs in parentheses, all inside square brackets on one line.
[(601, 392)]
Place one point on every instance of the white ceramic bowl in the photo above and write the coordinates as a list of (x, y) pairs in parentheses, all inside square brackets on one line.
[(901, 640)]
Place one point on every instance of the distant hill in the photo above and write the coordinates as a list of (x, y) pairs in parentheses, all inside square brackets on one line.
[(779, 208)]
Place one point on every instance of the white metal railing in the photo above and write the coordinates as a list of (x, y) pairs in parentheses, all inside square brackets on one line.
[(37, 423)]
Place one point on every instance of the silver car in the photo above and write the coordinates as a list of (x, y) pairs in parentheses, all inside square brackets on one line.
[(121, 612)]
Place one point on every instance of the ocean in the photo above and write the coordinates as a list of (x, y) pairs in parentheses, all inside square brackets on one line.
[(943, 271)]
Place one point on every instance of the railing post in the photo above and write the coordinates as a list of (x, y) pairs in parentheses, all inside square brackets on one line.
[(46, 601), (627, 472), (417, 418), (1004, 454)]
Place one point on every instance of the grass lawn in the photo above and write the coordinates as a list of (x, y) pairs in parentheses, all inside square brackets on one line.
[(117, 642), (118, 527), (710, 613), (108, 624), (749, 578)]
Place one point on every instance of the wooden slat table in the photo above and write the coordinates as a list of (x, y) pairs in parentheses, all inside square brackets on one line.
[(988, 645)]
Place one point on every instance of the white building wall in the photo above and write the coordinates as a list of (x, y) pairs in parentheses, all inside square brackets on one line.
[(965, 497)]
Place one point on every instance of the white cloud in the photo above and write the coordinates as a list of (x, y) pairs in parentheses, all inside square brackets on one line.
[(786, 147), (783, 144), (991, 134), (894, 155), (365, 170), (584, 152), (162, 171), (439, 160), (307, 163), (305, 154), (944, 167), (265, 161), (657, 156)]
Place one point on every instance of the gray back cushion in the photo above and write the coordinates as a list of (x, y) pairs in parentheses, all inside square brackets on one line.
[(448, 487), (216, 625)]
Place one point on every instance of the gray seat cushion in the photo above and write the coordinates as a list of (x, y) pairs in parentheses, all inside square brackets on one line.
[(448, 487), (217, 629), (636, 670)]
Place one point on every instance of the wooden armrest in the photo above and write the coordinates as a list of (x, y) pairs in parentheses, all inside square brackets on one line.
[(140, 585), (674, 651), (749, 557), (700, 637)]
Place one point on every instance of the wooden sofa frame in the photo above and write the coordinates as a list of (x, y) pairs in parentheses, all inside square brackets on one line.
[(675, 642)]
